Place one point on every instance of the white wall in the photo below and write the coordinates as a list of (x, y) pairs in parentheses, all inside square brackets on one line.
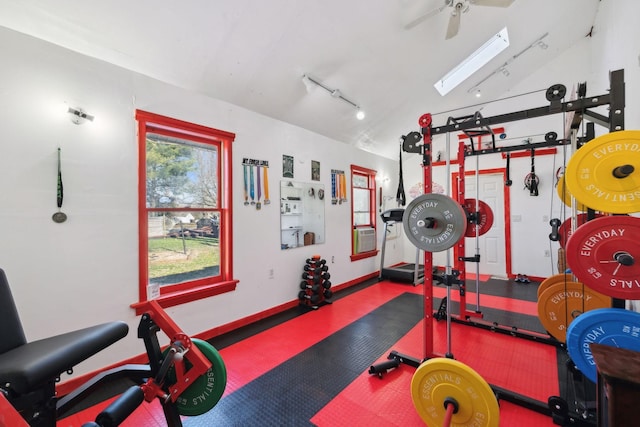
[(615, 44), (84, 271)]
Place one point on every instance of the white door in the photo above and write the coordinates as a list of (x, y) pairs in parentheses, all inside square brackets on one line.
[(491, 245)]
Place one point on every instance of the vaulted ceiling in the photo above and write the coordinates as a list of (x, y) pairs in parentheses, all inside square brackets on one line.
[(253, 53)]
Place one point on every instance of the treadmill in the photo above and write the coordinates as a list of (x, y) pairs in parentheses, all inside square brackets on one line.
[(406, 273)]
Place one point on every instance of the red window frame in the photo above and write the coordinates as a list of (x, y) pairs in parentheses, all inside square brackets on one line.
[(371, 184), (171, 295)]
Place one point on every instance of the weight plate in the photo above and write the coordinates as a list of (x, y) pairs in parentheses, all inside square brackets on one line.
[(207, 389), (565, 196), (556, 92), (485, 221), (614, 327), (561, 303), (439, 379), (604, 173), (434, 222), (564, 231), (552, 280), (602, 252)]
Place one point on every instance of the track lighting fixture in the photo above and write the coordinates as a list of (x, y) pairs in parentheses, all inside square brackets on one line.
[(335, 93)]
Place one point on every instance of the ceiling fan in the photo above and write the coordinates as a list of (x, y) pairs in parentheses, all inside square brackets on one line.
[(458, 8)]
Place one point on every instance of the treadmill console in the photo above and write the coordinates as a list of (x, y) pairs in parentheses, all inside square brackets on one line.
[(392, 215)]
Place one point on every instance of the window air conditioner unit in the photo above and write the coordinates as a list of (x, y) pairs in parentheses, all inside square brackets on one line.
[(365, 239)]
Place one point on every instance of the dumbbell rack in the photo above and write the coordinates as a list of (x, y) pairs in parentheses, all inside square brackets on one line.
[(315, 287)]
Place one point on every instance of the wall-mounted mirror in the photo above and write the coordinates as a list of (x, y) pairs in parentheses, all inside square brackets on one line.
[(301, 214)]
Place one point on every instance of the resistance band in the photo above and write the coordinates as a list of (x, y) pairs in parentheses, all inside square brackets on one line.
[(401, 197)]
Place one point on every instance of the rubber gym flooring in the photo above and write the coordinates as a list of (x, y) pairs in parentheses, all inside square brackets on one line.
[(310, 368)]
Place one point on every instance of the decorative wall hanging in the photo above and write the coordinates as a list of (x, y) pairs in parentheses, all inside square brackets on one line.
[(287, 166), (315, 170), (338, 187), (256, 182)]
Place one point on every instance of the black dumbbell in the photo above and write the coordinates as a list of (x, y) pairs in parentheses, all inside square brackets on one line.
[(328, 293), (312, 269), (314, 288), (326, 275), (326, 284), (307, 276), (314, 299)]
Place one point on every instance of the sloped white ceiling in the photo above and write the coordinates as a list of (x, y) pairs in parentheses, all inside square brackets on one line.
[(253, 53)]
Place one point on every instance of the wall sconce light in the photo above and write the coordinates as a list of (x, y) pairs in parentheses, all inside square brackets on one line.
[(78, 116), (335, 93)]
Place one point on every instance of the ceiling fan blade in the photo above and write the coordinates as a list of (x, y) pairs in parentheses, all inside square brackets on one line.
[(454, 25), (426, 16), (493, 3)]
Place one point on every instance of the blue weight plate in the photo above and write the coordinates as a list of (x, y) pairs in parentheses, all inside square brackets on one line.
[(614, 327)]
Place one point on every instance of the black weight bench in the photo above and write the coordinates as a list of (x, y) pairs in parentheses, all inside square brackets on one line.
[(30, 370)]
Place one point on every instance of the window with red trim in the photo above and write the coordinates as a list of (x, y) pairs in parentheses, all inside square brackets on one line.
[(363, 213), (184, 203)]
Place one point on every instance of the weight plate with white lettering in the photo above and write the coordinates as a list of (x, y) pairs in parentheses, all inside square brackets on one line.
[(441, 381), (560, 304), (434, 222), (602, 254), (206, 390), (564, 231), (552, 280), (566, 197), (604, 173), (484, 215), (614, 327)]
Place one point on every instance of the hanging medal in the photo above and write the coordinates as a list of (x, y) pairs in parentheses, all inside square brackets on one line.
[(258, 204), (251, 187), (59, 216), (265, 171), (246, 184)]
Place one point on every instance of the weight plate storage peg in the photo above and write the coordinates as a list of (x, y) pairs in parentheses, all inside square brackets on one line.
[(440, 382), (484, 220), (604, 173), (614, 327), (602, 254), (206, 390), (434, 222), (562, 303)]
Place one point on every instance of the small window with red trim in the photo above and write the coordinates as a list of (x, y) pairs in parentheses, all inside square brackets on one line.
[(184, 210), (363, 213)]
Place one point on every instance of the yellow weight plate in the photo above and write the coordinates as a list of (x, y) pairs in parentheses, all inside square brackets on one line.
[(441, 379), (560, 303), (604, 173), (565, 196), (552, 280)]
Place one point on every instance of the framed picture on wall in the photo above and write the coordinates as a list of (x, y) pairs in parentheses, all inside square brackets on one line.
[(287, 166), (315, 170)]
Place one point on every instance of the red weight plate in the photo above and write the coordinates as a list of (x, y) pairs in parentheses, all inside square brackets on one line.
[(486, 217), (602, 254), (564, 232)]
